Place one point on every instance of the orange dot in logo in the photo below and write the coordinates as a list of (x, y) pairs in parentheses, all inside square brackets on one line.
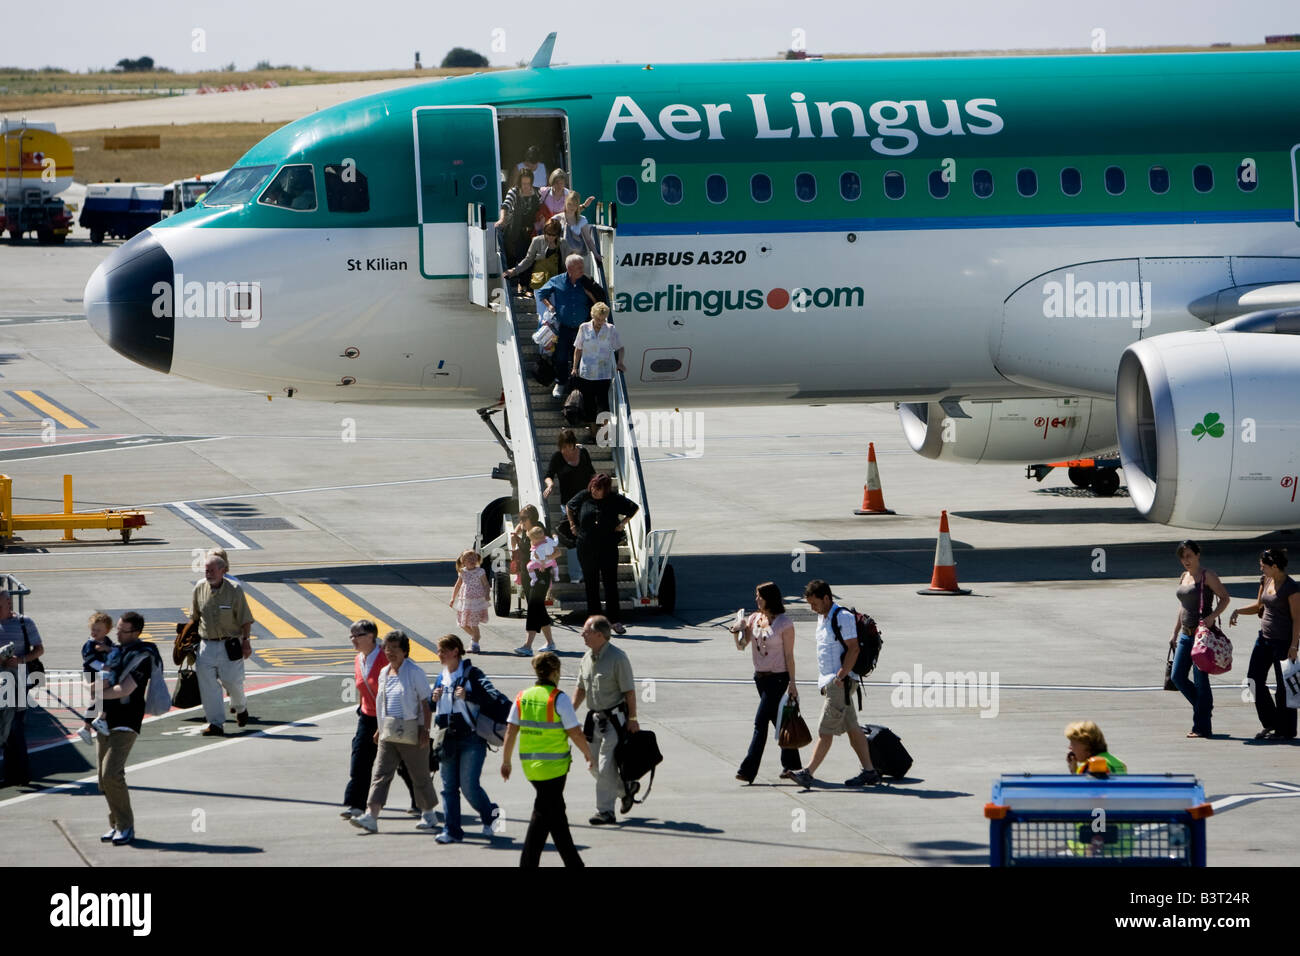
[(778, 299)]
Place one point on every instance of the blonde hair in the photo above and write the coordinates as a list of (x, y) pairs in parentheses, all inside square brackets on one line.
[(600, 309), (460, 561), (556, 174), (537, 532), (573, 197), (1085, 731), (546, 666)]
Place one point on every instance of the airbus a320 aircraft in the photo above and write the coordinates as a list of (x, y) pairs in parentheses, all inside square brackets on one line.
[(1037, 257)]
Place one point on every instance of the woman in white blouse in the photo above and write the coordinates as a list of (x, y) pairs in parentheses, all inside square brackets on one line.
[(597, 355), (769, 633), (403, 713)]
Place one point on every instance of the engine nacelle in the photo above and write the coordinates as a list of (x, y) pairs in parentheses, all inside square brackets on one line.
[(1023, 430), (1209, 426)]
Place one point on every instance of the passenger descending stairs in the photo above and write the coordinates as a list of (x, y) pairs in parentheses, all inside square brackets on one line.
[(547, 421)]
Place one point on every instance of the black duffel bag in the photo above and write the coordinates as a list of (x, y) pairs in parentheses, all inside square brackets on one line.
[(186, 694), (637, 755)]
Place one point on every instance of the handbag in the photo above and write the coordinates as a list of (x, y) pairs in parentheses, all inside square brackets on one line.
[(545, 337), (794, 732), (395, 730), (1169, 671), (1211, 650), (186, 694), (234, 648), (1291, 682)]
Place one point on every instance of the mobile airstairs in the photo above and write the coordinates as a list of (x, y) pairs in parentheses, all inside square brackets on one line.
[(532, 419)]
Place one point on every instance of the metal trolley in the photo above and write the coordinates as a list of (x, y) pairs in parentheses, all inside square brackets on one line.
[(1091, 820)]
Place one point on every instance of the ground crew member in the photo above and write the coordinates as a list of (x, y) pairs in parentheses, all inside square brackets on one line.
[(543, 720), (605, 683), (222, 611)]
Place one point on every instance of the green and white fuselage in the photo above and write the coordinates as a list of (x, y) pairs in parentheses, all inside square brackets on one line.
[(905, 252)]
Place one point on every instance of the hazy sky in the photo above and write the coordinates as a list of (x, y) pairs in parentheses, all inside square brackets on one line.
[(384, 34)]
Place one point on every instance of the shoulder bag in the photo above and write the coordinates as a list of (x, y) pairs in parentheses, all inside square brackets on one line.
[(1211, 650)]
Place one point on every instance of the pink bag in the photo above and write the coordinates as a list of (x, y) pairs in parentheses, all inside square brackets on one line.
[(1211, 649)]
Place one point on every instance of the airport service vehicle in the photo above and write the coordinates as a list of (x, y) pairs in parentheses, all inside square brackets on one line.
[(120, 210), (36, 167), (181, 194), (1038, 258)]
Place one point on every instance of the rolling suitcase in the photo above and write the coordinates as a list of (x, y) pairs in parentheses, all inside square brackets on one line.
[(888, 755)]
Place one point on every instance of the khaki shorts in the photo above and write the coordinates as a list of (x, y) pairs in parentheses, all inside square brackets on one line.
[(838, 714)]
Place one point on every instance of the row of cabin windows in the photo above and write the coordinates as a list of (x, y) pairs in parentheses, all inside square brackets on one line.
[(672, 191)]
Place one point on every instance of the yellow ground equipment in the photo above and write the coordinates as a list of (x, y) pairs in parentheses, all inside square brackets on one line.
[(123, 522)]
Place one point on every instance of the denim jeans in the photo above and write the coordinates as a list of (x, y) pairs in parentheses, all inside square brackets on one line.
[(770, 688), (462, 764), (1196, 689), (1273, 712)]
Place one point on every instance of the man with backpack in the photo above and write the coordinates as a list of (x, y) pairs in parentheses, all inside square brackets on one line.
[(837, 653), (135, 664)]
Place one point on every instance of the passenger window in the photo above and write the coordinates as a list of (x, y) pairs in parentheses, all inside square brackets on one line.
[(981, 183), (760, 187), (1247, 177), (238, 186), (1071, 181), (625, 190), (715, 187), (939, 186), (850, 187), (670, 188), (895, 184), (1114, 178), (293, 187), (1203, 178), (1027, 183), (805, 187), (1158, 180), (346, 189)]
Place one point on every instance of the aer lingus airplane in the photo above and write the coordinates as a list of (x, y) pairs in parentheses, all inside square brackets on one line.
[(1038, 257)]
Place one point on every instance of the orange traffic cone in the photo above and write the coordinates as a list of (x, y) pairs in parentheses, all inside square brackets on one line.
[(944, 579), (873, 498)]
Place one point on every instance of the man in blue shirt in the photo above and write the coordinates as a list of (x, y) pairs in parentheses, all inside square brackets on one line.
[(569, 296)]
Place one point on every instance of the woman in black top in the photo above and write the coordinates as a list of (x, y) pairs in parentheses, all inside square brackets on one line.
[(1197, 589), (1278, 605), (518, 213), (570, 467), (597, 517)]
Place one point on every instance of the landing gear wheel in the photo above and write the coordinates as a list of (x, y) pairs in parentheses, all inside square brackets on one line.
[(44, 236), (668, 591), (501, 597), (1081, 477), (1105, 483)]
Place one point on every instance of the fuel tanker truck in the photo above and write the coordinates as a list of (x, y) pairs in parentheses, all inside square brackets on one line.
[(35, 167)]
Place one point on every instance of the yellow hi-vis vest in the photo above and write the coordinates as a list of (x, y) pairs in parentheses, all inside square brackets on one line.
[(543, 744)]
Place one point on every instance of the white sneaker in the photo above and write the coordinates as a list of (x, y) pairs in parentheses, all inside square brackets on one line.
[(100, 726), (445, 837), (84, 734), (365, 822), (428, 821), (490, 829), (557, 392), (349, 812)]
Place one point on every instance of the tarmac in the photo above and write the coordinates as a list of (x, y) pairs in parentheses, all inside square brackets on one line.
[(331, 511)]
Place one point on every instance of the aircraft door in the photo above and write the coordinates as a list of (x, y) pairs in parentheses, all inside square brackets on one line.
[(456, 163)]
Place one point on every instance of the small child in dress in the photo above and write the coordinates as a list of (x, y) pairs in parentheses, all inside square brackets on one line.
[(470, 596), (542, 554), (94, 657)]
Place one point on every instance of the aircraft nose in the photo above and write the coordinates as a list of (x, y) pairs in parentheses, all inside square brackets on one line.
[(123, 301)]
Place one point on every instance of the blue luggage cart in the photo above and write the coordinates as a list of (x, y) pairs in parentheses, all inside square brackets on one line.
[(1089, 820)]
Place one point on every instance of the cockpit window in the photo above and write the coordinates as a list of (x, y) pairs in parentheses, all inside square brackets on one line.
[(238, 186), (293, 187), (346, 189)]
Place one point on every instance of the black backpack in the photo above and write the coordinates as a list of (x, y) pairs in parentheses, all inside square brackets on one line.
[(868, 635)]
